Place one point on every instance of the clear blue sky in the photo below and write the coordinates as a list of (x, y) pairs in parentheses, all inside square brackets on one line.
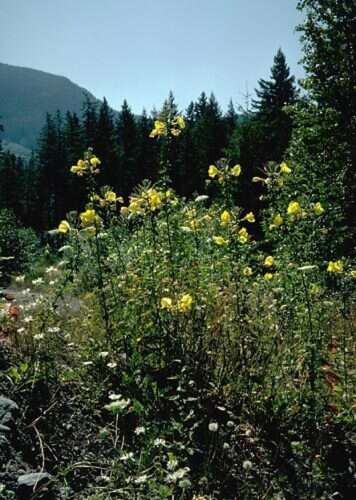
[(141, 49)]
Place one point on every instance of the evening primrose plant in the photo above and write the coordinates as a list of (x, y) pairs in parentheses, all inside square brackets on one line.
[(198, 352)]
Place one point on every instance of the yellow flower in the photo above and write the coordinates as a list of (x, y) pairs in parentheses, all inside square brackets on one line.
[(110, 196), (225, 218), (219, 240), (250, 217), (64, 227), (185, 303), (335, 267), (166, 303), (82, 164), (135, 206), (160, 129), (180, 122), (318, 208), (75, 169), (243, 235), (213, 171), (94, 161), (278, 220), (247, 271), (154, 198), (353, 274), (284, 168), (294, 208), (269, 261), (268, 276), (236, 170), (168, 194), (124, 211), (280, 182), (89, 217)]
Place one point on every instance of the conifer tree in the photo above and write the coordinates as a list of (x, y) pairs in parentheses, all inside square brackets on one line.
[(53, 173), (209, 137), (148, 150), (105, 146), (12, 183), (329, 43), (74, 146), (273, 95), (89, 122), (127, 134)]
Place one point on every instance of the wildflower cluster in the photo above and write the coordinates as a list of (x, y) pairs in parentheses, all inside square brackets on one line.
[(108, 199), (87, 166), (223, 172), (163, 128), (148, 201), (183, 305)]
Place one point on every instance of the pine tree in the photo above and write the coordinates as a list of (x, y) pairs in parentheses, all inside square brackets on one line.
[(53, 173), (105, 146), (12, 183), (89, 122), (74, 146), (127, 133), (31, 197), (1, 130), (209, 137), (231, 118), (273, 95), (148, 150), (329, 39), (169, 158)]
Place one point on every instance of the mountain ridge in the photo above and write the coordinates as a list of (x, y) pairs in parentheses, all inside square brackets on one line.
[(27, 94)]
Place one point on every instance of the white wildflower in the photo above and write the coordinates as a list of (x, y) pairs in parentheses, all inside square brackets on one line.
[(213, 426), (247, 465), (159, 442)]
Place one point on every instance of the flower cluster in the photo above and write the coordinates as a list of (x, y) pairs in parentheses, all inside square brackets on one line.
[(89, 165), (89, 218), (183, 305), (223, 173), (164, 127), (109, 198), (335, 267), (148, 200)]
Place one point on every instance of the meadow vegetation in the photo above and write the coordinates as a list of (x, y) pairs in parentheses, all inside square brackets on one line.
[(194, 339), (170, 354)]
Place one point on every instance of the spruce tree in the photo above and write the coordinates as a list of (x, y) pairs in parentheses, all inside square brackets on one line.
[(53, 173), (148, 150), (12, 183), (127, 134), (74, 146), (329, 43), (89, 122), (272, 97), (105, 146)]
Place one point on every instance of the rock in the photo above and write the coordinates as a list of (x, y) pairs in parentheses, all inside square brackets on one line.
[(8, 410), (26, 483)]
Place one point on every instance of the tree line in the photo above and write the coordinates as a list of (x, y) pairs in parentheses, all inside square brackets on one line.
[(314, 128), (41, 191)]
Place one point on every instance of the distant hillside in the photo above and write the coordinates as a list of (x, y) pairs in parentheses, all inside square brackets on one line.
[(16, 149), (26, 95)]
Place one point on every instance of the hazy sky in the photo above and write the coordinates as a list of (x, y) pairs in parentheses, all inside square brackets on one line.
[(140, 49)]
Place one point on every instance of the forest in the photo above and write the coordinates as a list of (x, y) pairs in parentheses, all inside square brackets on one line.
[(177, 301)]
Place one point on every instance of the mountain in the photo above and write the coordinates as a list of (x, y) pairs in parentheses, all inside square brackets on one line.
[(26, 95)]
